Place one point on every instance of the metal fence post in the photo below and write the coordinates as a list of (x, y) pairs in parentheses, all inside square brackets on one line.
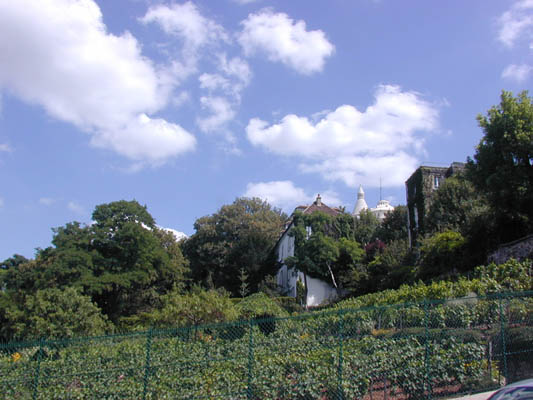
[(502, 335), (340, 391), (37, 370), (249, 390), (147, 362)]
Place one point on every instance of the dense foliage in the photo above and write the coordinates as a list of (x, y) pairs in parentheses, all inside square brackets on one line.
[(324, 247), (502, 166), (239, 236), (414, 350), (122, 262)]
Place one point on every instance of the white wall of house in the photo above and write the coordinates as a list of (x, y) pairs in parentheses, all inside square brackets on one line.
[(318, 291)]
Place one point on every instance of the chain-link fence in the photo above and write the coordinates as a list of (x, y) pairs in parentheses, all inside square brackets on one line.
[(410, 351)]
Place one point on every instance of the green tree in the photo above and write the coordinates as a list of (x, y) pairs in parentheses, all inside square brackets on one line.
[(391, 268), (441, 255), (365, 227), (122, 261), (199, 306), (455, 206), (243, 278), (57, 313), (349, 265), (502, 166), (458, 206), (133, 262), (239, 235), (394, 226)]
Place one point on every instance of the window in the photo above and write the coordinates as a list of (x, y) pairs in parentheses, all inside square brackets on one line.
[(436, 182)]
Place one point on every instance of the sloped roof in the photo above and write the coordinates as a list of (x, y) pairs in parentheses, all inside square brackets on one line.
[(318, 206)]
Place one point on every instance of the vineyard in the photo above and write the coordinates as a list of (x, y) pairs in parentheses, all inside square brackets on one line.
[(427, 349)]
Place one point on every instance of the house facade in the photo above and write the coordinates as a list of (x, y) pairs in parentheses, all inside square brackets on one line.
[(318, 291)]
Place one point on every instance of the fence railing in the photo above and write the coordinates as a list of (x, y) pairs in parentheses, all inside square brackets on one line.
[(420, 350)]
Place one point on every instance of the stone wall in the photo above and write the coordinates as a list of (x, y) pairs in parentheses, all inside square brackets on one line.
[(519, 249)]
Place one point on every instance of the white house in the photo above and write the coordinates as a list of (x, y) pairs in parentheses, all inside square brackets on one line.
[(318, 291)]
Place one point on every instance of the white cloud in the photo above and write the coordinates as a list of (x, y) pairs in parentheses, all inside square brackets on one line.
[(62, 58), (391, 169), (518, 73), (47, 201), (283, 40), (154, 140), (213, 82), (186, 21), (75, 207), (220, 110), (236, 68), (285, 195), (353, 146), (177, 234), (515, 23), (233, 76), (5, 147)]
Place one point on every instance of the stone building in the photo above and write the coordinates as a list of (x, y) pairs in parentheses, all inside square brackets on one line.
[(419, 190)]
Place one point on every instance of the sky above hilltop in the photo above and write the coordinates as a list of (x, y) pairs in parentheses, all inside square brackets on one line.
[(185, 106)]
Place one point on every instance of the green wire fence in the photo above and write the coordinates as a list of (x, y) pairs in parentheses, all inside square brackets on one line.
[(410, 351)]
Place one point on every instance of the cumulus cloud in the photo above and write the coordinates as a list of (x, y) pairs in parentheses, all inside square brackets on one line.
[(356, 147), (224, 92), (517, 73), (285, 195), (284, 40), (186, 22), (62, 58), (155, 140), (517, 22), (220, 111), (75, 208), (224, 86), (177, 234), (195, 31)]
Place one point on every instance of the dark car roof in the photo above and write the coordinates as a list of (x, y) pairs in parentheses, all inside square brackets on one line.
[(527, 383)]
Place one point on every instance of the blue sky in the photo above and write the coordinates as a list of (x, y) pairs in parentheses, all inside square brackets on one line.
[(185, 106)]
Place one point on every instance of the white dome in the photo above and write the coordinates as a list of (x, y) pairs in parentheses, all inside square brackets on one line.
[(360, 205)]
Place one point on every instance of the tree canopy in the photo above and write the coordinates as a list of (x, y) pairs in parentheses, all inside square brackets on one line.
[(240, 235), (502, 166), (123, 262)]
